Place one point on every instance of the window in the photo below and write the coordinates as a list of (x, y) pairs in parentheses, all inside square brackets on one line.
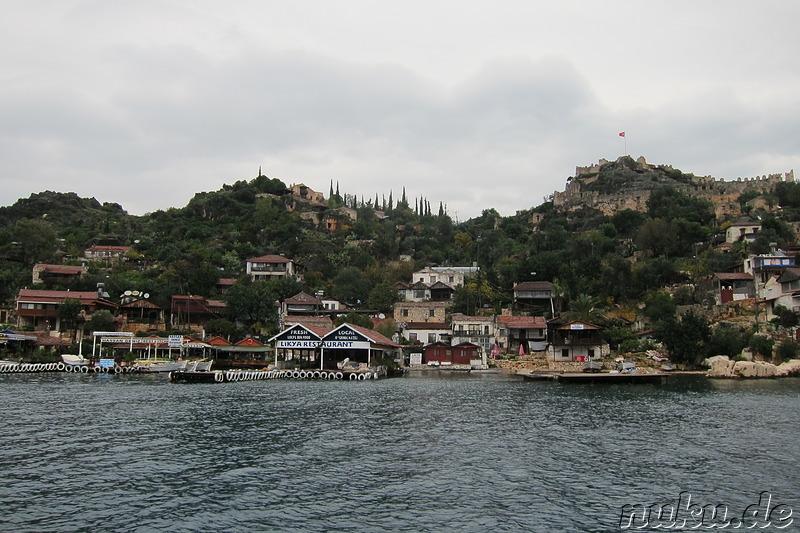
[(419, 294), (431, 337), (448, 352), (412, 337), (433, 279), (564, 352), (405, 312), (485, 330), (451, 279), (591, 352)]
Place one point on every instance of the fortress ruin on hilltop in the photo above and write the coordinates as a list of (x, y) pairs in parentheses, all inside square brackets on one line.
[(627, 184)]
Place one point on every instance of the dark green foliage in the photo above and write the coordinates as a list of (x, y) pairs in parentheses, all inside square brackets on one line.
[(659, 307), (101, 320), (727, 340), (253, 302), (382, 297), (787, 350), (619, 335), (351, 286), (68, 311), (224, 328), (669, 203), (686, 338), (761, 345), (357, 319), (784, 317)]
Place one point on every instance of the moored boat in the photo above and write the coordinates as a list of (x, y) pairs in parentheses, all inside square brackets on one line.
[(74, 360), (160, 366)]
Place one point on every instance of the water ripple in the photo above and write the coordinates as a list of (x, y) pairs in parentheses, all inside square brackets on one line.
[(135, 453)]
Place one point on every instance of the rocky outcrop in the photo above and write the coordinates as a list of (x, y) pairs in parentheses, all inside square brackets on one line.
[(722, 367), (789, 368)]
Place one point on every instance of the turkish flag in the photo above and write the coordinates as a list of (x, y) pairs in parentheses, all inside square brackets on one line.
[(622, 134)]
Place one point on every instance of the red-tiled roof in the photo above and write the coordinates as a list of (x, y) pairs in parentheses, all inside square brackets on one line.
[(248, 342), (269, 259), (534, 286), (465, 344), (314, 321), (104, 248), (45, 339), (60, 269), (421, 304), (226, 281), (302, 298), (734, 275), (586, 325), (32, 295), (466, 318), (427, 325), (373, 335), (218, 341), (522, 322)]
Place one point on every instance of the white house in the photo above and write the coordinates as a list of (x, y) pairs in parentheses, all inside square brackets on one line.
[(269, 267)]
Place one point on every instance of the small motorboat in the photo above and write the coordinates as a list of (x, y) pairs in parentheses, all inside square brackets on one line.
[(161, 366), (74, 360), (592, 366)]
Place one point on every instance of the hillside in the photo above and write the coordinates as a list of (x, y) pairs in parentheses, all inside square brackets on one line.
[(623, 236)]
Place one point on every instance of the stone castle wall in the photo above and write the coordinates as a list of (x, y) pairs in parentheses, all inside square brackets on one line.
[(723, 194)]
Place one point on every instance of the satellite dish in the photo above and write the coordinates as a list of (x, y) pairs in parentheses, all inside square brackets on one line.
[(127, 293), (135, 293), (146, 295), (381, 316)]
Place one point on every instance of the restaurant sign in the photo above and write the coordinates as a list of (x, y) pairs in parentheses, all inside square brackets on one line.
[(298, 337)]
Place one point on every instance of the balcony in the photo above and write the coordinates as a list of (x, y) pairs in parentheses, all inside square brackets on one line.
[(268, 268)]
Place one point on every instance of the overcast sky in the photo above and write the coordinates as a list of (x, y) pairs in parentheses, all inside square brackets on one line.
[(474, 103)]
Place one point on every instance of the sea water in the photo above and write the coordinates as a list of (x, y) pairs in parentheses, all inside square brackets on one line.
[(439, 452)]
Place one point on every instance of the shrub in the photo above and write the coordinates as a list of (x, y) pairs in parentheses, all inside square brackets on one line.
[(787, 350), (629, 346), (761, 345)]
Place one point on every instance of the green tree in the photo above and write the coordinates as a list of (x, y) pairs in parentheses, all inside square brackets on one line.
[(585, 308), (387, 328), (382, 297), (357, 319), (685, 338), (37, 241), (101, 320), (787, 350), (726, 340), (657, 236), (253, 302), (350, 286), (659, 307), (222, 327), (68, 311), (761, 345)]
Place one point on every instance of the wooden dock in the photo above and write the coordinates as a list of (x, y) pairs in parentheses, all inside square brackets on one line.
[(597, 377), (230, 376)]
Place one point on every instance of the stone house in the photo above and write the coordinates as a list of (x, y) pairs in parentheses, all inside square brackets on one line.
[(419, 312)]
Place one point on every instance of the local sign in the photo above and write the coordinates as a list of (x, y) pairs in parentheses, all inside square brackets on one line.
[(347, 338)]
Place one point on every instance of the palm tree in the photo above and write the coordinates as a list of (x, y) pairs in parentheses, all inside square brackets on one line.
[(584, 308)]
